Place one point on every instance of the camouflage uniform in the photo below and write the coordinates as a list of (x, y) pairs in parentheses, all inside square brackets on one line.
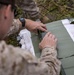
[(15, 27), (15, 61), (30, 7)]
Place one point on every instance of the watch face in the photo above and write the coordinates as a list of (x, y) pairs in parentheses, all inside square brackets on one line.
[(22, 21)]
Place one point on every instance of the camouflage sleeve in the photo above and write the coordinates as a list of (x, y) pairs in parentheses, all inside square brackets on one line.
[(30, 7), (14, 27), (49, 56), (15, 61)]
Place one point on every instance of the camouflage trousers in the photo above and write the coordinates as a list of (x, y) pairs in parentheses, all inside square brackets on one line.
[(30, 9)]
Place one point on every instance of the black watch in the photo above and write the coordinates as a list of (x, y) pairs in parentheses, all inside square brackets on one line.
[(22, 20)]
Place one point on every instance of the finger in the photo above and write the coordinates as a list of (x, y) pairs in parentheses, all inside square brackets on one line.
[(53, 36), (42, 29), (56, 40), (48, 34), (43, 26)]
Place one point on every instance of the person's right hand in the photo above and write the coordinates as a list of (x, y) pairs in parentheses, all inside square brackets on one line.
[(33, 26), (48, 41)]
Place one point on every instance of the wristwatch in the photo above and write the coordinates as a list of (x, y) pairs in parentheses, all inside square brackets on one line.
[(22, 20)]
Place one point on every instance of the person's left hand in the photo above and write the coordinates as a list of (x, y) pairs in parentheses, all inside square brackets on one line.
[(34, 26)]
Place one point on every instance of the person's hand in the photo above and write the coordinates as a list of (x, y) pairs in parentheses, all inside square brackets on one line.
[(33, 26), (48, 41)]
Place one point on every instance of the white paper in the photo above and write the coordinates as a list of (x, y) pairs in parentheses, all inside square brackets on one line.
[(65, 22), (69, 27), (25, 41)]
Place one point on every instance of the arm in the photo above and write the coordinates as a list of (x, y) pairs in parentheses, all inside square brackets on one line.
[(49, 56), (21, 62), (29, 24), (15, 27)]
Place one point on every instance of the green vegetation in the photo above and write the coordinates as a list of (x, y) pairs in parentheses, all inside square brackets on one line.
[(57, 9)]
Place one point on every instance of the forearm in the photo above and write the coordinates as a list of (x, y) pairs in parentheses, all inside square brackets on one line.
[(15, 27), (49, 56), (26, 23)]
